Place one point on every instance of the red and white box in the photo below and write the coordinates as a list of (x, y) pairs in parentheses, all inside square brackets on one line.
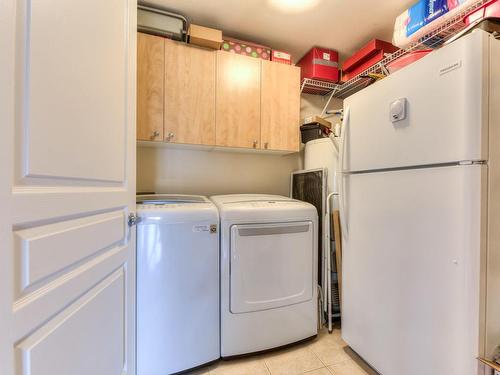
[(281, 57), (321, 64)]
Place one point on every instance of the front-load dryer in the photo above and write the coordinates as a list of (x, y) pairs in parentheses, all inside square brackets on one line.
[(177, 283), (268, 272)]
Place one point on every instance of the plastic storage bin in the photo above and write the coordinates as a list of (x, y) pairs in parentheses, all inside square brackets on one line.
[(488, 10), (310, 132), (407, 60)]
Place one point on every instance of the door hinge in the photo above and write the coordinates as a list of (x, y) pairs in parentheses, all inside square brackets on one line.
[(133, 219)]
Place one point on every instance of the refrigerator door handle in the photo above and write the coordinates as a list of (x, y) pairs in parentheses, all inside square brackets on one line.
[(342, 208), (343, 133)]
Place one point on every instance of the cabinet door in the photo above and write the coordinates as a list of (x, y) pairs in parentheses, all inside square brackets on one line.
[(280, 106), (189, 94), (238, 100), (150, 66)]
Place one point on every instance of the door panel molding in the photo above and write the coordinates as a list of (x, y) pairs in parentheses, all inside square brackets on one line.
[(84, 96), (45, 250), (49, 300), (81, 326)]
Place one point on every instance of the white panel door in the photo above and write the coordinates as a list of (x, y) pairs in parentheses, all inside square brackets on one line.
[(67, 185), (271, 265), (411, 263)]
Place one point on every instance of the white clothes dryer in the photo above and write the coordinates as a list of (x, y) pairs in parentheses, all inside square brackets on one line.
[(268, 272)]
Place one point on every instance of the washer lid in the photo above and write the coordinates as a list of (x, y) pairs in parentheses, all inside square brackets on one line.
[(162, 199), (175, 208)]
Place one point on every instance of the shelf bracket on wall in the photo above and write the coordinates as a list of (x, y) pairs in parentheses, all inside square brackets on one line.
[(332, 94)]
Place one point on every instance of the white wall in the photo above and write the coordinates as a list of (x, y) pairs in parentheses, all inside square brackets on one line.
[(188, 171), (183, 171)]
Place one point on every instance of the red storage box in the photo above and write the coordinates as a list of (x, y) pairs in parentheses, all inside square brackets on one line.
[(281, 57), (321, 64), (407, 59), (489, 10), (366, 57)]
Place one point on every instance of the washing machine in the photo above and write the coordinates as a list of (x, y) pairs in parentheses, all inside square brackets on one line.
[(177, 283), (268, 272)]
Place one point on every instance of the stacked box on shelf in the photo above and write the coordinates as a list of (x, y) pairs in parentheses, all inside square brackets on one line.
[(281, 57), (489, 10), (371, 53), (205, 36), (426, 16), (242, 47), (320, 64)]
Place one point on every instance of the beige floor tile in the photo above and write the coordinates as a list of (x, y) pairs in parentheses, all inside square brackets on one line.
[(360, 362), (329, 350), (243, 366), (352, 367), (201, 371), (320, 371), (327, 354), (293, 361), (348, 367)]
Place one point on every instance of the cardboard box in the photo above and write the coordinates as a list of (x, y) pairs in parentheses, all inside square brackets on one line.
[(205, 36), (281, 57), (317, 120), (321, 64), (242, 47)]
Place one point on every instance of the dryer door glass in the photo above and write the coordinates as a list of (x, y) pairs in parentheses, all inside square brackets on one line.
[(271, 265)]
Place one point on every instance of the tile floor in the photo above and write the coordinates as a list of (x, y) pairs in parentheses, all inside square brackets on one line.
[(326, 355)]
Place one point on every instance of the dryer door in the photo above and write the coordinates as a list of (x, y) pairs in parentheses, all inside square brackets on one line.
[(271, 265)]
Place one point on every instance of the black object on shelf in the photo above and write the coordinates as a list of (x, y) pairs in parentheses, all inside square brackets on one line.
[(313, 131)]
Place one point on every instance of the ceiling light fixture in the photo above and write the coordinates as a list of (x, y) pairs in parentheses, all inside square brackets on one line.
[(293, 6)]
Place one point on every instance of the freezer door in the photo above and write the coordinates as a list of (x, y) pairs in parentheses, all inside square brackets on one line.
[(271, 265), (443, 106), (411, 265)]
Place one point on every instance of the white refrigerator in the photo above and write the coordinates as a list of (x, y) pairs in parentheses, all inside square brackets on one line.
[(420, 206)]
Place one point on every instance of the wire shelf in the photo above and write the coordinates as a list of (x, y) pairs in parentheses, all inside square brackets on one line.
[(432, 40), (313, 86)]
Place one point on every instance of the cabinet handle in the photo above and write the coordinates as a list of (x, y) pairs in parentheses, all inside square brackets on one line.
[(170, 136), (255, 143), (155, 134), (266, 145)]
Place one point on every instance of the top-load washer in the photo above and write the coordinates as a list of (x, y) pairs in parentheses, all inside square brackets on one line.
[(268, 272), (177, 283)]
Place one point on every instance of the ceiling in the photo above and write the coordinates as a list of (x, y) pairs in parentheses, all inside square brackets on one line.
[(344, 25)]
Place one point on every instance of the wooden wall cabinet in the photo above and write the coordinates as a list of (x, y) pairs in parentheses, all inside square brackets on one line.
[(196, 96), (150, 87), (280, 107), (238, 100), (189, 94)]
